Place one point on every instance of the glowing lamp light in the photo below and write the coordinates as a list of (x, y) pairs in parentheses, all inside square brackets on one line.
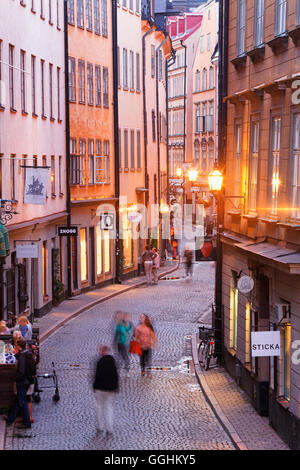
[(215, 180), (193, 175), (179, 172)]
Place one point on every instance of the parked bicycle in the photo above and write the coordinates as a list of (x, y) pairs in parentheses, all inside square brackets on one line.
[(206, 348)]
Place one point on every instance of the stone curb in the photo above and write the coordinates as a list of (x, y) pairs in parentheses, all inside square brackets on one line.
[(57, 325), (213, 402)]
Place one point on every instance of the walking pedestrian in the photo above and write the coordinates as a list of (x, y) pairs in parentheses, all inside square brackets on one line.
[(156, 265), (26, 371), (188, 255), (106, 385), (144, 334), (123, 332), (148, 257)]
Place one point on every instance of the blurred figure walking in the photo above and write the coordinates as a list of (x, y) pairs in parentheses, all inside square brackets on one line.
[(156, 265), (188, 256), (123, 333), (144, 334), (106, 385), (148, 257)]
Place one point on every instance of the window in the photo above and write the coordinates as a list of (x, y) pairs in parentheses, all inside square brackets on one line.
[(105, 87), (211, 77), (197, 80), (138, 150), (83, 254), (208, 42), (203, 123), (50, 11), (204, 79), (33, 85), (119, 68), (153, 126), (298, 12), (259, 22), (104, 18), (89, 15), (131, 70), (98, 147), (57, 14), (152, 61), (82, 161), (11, 77), (42, 9), (72, 82), (52, 176), (98, 85), (275, 160), (51, 90), (58, 95), (241, 27), (13, 177), (91, 161), (1, 83), (81, 79), (80, 14), (125, 148), (101, 169), (202, 44), (99, 250), (234, 309), (210, 157), (71, 16), (43, 87), (96, 17), (106, 252), (160, 65), (280, 16), (238, 153), (131, 5), (197, 118), (253, 166), (60, 175), (74, 163), (90, 84), (296, 168), (137, 6), (196, 154), (138, 73), (132, 150), (204, 158), (125, 69), (210, 118), (23, 81)]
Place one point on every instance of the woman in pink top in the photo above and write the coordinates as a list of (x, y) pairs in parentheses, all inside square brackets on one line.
[(144, 335)]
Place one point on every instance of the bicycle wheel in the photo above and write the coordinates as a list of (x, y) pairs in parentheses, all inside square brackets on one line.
[(207, 361)]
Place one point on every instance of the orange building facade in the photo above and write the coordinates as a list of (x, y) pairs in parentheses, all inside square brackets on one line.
[(91, 140)]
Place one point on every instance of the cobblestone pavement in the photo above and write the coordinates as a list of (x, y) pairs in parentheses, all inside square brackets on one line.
[(166, 411)]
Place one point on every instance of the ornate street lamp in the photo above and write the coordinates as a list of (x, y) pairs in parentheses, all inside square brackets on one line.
[(192, 175), (6, 210), (215, 181)]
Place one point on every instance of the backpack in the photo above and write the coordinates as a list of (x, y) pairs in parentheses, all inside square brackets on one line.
[(30, 367)]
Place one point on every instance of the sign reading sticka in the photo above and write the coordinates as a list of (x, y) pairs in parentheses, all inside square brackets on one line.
[(265, 343)]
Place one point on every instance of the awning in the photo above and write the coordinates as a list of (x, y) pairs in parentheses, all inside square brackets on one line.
[(4, 241), (282, 258)]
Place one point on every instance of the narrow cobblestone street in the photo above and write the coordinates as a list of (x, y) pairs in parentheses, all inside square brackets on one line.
[(166, 411)]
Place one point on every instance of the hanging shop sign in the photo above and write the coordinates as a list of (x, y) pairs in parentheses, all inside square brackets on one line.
[(107, 221), (35, 187), (245, 284), (265, 343), (71, 231), (27, 251)]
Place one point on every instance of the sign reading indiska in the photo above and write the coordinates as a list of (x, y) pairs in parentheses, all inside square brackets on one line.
[(265, 343)]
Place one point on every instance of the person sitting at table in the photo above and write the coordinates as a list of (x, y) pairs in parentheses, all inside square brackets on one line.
[(24, 326), (3, 328)]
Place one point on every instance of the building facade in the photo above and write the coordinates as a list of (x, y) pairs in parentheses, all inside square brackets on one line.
[(92, 184), (32, 139), (262, 208)]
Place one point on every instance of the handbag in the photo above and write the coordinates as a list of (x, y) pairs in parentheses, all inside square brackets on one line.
[(135, 348)]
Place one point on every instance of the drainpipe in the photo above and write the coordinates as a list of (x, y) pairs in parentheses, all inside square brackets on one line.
[(145, 114), (169, 62), (67, 120), (116, 134), (157, 119), (184, 100)]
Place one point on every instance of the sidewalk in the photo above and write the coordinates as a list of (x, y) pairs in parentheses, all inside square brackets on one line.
[(247, 429), (72, 307)]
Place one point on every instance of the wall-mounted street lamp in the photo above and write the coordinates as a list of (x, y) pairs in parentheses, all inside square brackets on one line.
[(6, 210), (215, 181)]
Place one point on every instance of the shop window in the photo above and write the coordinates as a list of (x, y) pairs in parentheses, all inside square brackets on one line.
[(234, 309), (83, 254), (106, 247), (99, 251)]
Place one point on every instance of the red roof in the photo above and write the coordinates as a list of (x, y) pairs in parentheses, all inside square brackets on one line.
[(183, 26)]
